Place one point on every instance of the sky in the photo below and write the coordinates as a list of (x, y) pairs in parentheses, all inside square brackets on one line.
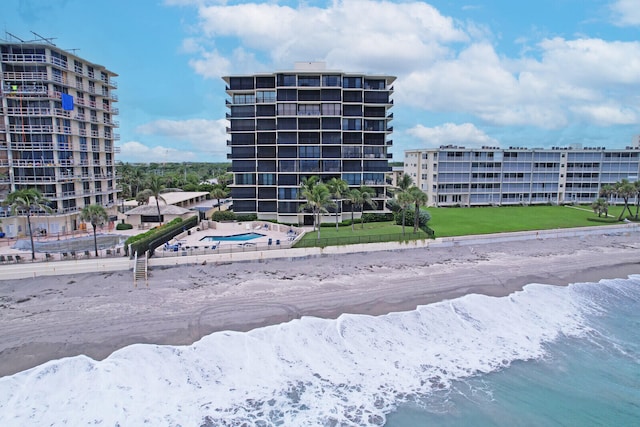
[(529, 73)]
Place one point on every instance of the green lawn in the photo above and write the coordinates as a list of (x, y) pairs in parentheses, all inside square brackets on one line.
[(372, 232), (447, 222), (483, 220)]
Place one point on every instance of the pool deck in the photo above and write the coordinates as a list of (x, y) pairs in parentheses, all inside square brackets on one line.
[(270, 231)]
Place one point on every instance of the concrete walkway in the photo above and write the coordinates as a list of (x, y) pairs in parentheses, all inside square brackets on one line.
[(105, 265)]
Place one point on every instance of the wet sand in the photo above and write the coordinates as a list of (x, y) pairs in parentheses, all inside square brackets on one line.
[(47, 318)]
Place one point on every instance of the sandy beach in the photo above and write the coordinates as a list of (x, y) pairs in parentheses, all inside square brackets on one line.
[(48, 318)]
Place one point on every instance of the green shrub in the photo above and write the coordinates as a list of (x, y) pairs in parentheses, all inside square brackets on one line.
[(246, 217), (223, 216), (424, 218), (151, 239), (121, 226), (377, 217)]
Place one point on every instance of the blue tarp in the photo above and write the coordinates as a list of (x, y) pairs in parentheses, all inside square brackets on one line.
[(67, 102)]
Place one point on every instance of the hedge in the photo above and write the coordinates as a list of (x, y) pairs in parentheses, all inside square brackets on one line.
[(155, 237), (121, 226)]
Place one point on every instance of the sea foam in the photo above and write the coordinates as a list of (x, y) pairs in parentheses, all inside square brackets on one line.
[(350, 371)]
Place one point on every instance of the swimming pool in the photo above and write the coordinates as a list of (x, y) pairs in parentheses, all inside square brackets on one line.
[(235, 238)]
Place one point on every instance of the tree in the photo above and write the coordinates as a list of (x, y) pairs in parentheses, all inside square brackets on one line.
[(625, 189), (361, 197), (155, 188), (418, 198), (219, 193), (27, 200), (405, 182), (600, 206), (338, 188), (317, 199), (96, 215), (404, 201)]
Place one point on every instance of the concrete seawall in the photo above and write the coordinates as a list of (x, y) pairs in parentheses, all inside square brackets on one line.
[(27, 270)]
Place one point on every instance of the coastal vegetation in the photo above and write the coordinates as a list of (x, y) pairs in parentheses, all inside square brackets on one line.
[(95, 215), (27, 201)]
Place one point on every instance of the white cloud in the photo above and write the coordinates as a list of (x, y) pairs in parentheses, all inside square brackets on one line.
[(465, 134), (137, 152), (204, 136), (626, 13), (386, 37)]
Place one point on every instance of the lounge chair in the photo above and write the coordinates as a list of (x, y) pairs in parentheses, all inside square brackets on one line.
[(65, 255), (48, 257), (109, 253), (73, 254), (9, 258), (87, 254), (3, 259), (18, 258)]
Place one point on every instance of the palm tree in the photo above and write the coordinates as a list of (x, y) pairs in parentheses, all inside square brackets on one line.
[(600, 206), (405, 182), (219, 193), (27, 200), (404, 200), (354, 196), (361, 198), (155, 189), (625, 189), (96, 215), (318, 198), (338, 188), (418, 198)]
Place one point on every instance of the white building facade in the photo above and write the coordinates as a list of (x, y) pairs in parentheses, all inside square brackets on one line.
[(57, 122), (458, 176)]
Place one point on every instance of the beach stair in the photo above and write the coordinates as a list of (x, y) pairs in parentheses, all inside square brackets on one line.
[(140, 270)]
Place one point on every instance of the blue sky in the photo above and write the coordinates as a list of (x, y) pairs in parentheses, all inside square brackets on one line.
[(479, 72)]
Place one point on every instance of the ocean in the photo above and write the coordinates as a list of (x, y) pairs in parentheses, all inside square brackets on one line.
[(544, 356)]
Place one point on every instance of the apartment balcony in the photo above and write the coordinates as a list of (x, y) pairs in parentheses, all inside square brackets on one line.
[(32, 146), (26, 76), (34, 179)]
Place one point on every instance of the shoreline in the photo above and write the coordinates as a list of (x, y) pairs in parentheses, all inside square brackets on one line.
[(94, 314)]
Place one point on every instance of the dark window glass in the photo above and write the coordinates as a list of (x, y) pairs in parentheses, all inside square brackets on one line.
[(266, 138), (265, 82), (287, 95), (308, 95), (287, 179), (331, 94), (241, 83), (313, 81), (286, 79), (352, 96), (287, 123)]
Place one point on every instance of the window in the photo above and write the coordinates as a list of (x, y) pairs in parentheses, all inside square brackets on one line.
[(267, 179), (287, 138), (265, 96), (331, 94), (244, 98), (331, 80), (287, 109), (286, 79), (286, 123), (313, 81), (352, 96), (352, 82), (308, 109), (310, 152), (265, 82), (245, 179), (330, 109), (243, 111), (353, 110), (287, 95), (241, 83), (352, 124)]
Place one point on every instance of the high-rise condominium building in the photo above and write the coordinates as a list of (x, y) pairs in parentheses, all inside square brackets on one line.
[(57, 135), (459, 176), (290, 125)]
